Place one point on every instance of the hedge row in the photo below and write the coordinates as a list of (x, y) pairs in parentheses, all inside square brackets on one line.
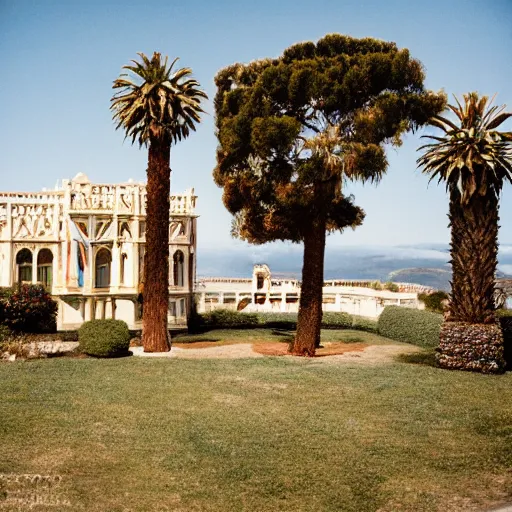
[(227, 319), (414, 326)]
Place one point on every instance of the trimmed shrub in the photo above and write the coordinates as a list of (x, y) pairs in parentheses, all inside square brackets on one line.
[(335, 320), (68, 336), (361, 323), (434, 301), (29, 309), (226, 318), (104, 338), (420, 328), (287, 321)]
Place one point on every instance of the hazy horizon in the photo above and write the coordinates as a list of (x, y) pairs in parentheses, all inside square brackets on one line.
[(350, 262)]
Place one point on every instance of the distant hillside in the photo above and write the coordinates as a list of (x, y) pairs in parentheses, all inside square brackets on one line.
[(437, 278), (426, 264)]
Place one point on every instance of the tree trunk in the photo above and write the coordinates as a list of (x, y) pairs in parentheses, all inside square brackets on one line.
[(310, 307), (474, 253), (470, 337), (155, 334)]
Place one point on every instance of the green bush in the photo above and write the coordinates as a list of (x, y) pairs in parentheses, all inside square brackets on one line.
[(226, 318), (410, 326), (330, 320), (286, 321), (361, 323), (434, 301), (104, 338), (68, 336), (29, 309), (392, 287), (336, 320)]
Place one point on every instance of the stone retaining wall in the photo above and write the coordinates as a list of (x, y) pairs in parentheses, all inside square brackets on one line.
[(473, 347)]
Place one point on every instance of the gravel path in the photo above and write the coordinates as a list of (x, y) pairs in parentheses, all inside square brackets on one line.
[(235, 351), (374, 354)]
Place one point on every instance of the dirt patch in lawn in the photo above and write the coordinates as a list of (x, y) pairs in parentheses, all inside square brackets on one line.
[(328, 349), (331, 353), (203, 344)]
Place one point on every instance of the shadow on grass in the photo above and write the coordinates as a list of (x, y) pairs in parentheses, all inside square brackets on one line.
[(423, 358), (283, 335), (197, 339), (352, 339)]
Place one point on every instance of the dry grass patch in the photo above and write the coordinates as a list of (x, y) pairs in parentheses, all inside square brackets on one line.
[(328, 349)]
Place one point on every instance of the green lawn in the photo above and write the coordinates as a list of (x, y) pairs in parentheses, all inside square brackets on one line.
[(263, 434)]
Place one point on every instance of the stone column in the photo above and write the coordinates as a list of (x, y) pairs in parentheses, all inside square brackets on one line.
[(34, 266), (283, 302), (88, 308), (9, 264)]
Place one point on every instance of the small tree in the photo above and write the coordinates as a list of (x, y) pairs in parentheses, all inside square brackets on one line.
[(156, 107), (292, 130)]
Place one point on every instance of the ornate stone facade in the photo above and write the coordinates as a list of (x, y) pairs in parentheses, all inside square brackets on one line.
[(85, 243)]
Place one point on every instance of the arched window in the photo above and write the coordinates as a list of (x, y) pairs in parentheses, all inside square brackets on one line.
[(24, 264), (103, 261), (45, 267), (178, 268)]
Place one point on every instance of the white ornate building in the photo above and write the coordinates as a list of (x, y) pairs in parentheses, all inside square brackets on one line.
[(267, 293), (85, 242)]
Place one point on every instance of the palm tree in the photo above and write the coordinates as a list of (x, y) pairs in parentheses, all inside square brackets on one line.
[(474, 160), (156, 107)]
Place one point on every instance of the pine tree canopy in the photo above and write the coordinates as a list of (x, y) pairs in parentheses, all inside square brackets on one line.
[(292, 130)]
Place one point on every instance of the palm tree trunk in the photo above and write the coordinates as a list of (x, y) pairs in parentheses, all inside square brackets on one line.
[(310, 307), (470, 337), (474, 253), (155, 334)]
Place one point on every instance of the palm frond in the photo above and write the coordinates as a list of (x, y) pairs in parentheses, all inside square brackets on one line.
[(152, 99), (471, 156)]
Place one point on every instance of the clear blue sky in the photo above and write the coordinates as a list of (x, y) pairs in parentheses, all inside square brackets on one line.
[(59, 59)]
